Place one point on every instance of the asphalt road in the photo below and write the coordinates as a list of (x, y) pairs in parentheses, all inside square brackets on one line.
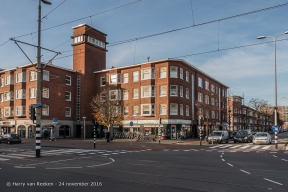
[(139, 166)]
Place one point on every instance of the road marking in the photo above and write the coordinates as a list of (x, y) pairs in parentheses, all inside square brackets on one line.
[(186, 150), (224, 146), (244, 147), (112, 161), (9, 156), (165, 149), (24, 167), (272, 181), (175, 150), (273, 152), (245, 171), (266, 147), (220, 155), (255, 147), (274, 156), (232, 151), (223, 159), (284, 159), (24, 155), (235, 146), (230, 164), (65, 168), (2, 159)]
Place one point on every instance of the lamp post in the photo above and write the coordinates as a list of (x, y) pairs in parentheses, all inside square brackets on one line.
[(137, 117), (229, 122), (84, 130), (38, 93), (275, 78)]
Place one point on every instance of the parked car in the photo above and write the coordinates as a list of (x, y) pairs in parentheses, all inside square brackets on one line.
[(218, 136), (243, 136), (262, 138), (232, 134), (254, 133), (10, 138)]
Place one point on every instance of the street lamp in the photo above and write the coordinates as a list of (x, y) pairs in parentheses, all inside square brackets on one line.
[(137, 117), (275, 80), (84, 130), (38, 94)]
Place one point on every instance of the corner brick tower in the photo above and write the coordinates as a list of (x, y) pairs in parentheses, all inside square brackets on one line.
[(89, 55)]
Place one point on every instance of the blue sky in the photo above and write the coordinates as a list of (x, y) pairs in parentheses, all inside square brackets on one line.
[(248, 70)]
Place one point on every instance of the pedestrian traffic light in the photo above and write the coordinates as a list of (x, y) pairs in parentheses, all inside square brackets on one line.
[(32, 114)]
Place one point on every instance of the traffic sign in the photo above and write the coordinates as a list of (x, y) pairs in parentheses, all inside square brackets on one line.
[(131, 123), (54, 120), (276, 128)]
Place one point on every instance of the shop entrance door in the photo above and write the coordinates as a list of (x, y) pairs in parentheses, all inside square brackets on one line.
[(173, 131)]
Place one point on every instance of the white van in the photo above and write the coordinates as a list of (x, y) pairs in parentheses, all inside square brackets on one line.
[(218, 136)]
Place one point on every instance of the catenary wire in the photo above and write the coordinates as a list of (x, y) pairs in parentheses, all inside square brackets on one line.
[(53, 10)]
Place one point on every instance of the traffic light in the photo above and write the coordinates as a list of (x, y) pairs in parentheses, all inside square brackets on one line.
[(32, 114)]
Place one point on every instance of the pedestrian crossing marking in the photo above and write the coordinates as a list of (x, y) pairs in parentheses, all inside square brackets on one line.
[(255, 147), (240, 147), (244, 147), (266, 147), (236, 146)]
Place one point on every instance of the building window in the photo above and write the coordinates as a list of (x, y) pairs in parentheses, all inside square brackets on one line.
[(187, 110), (21, 77), (125, 78), (212, 101), (213, 114), (216, 89), (125, 95), (147, 91), (187, 76), (8, 111), (181, 109), (147, 109), (147, 73), (125, 111), (33, 75), (1, 82), (1, 112), (1, 97), (163, 109), (115, 94), (20, 110), (187, 93), (181, 73), (200, 82), (9, 80), (162, 72), (206, 99), (135, 110), (67, 96), (68, 80), (135, 76), (45, 111), (21, 94), (78, 39), (67, 112), (206, 85), (113, 79), (173, 90), (45, 92), (102, 81), (173, 72), (32, 93), (181, 91), (135, 94), (7, 96), (212, 88), (46, 75), (163, 90), (200, 97), (96, 42), (173, 109)]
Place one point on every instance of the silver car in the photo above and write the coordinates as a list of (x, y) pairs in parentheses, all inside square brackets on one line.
[(262, 138), (218, 136)]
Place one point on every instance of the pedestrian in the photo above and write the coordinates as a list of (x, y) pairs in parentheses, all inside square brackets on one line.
[(108, 136)]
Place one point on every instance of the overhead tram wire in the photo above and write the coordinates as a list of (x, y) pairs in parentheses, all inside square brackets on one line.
[(53, 10), (196, 25), (81, 18)]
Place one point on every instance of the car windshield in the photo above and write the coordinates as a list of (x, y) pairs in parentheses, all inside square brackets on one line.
[(14, 136), (216, 133), (262, 135), (242, 133)]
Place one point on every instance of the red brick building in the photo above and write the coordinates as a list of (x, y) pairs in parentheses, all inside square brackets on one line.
[(167, 93)]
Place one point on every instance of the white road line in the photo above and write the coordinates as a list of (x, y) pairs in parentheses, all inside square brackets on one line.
[(223, 159), (176, 150), (225, 146), (274, 156), (255, 147), (215, 146), (24, 155), (272, 181), (244, 147), (2, 159), (9, 156), (24, 167), (186, 150), (230, 164), (165, 149), (232, 151), (273, 152), (266, 147), (284, 159), (65, 168), (245, 171), (236, 146)]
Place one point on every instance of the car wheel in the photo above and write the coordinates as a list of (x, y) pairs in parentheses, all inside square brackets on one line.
[(8, 142), (234, 141)]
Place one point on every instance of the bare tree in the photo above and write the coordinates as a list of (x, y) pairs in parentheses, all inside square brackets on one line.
[(107, 108), (267, 112), (257, 104)]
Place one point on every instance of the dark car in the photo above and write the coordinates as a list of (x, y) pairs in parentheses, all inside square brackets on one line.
[(10, 138), (243, 136), (232, 134)]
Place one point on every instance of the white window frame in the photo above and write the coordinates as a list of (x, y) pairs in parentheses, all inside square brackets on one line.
[(21, 94), (125, 111), (147, 73), (68, 96), (163, 72), (32, 93), (181, 73), (213, 114), (68, 80), (173, 72), (8, 111), (96, 42), (135, 76), (33, 75), (9, 79), (148, 91), (187, 76), (200, 83), (163, 90), (125, 94), (212, 101), (21, 77), (187, 93), (125, 78), (150, 111), (200, 97), (46, 75), (187, 110), (181, 109), (20, 110), (207, 99), (117, 94), (2, 82), (45, 92), (8, 95), (115, 78), (135, 93), (206, 85), (173, 92), (45, 110), (67, 111), (163, 109), (173, 108), (181, 91), (78, 39), (135, 109), (102, 81), (213, 88)]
